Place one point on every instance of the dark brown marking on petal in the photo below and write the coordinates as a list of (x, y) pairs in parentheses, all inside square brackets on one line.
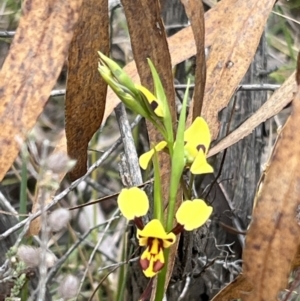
[(144, 263), (157, 266), (201, 146), (150, 242), (153, 105)]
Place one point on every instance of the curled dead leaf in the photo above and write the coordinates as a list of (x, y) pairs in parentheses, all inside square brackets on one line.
[(86, 90)]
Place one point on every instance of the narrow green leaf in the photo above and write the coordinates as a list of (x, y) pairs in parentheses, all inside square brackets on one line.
[(177, 161), (123, 271), (162, 99)]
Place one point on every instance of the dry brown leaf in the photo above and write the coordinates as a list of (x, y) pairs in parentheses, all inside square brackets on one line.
[(233, 289), (31, 68), (86, 90), (231, 53), (273, 238), (195, 12), (181, 47), (282, 97)]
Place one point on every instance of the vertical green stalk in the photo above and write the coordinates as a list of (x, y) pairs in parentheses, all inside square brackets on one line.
[(123, 271), (177, 162), (161, 278)]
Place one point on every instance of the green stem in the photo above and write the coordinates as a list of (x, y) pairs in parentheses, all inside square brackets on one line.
[(161, 278), (177, 166)]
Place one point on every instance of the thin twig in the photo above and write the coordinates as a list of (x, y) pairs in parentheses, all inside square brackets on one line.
[(119, 264), (185, 289), (60, 92), (7, 34), (98, 187), (107, 197), (245, 87), (8, 206)]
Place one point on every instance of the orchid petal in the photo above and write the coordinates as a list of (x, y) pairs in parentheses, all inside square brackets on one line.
[(133, 202), (200, 165), (146, 157), (153, 101), (152, 263), (155, 229), (193, 214), (198, 133)]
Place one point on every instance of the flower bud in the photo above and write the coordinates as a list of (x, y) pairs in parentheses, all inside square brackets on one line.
[(58, 219), (59, 162), (119, 74), (29, 255), (68, 287)]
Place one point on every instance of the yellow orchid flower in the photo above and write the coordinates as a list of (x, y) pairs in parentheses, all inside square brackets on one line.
[(197, 140), (133, 203), (193, 214), (155, 238)]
